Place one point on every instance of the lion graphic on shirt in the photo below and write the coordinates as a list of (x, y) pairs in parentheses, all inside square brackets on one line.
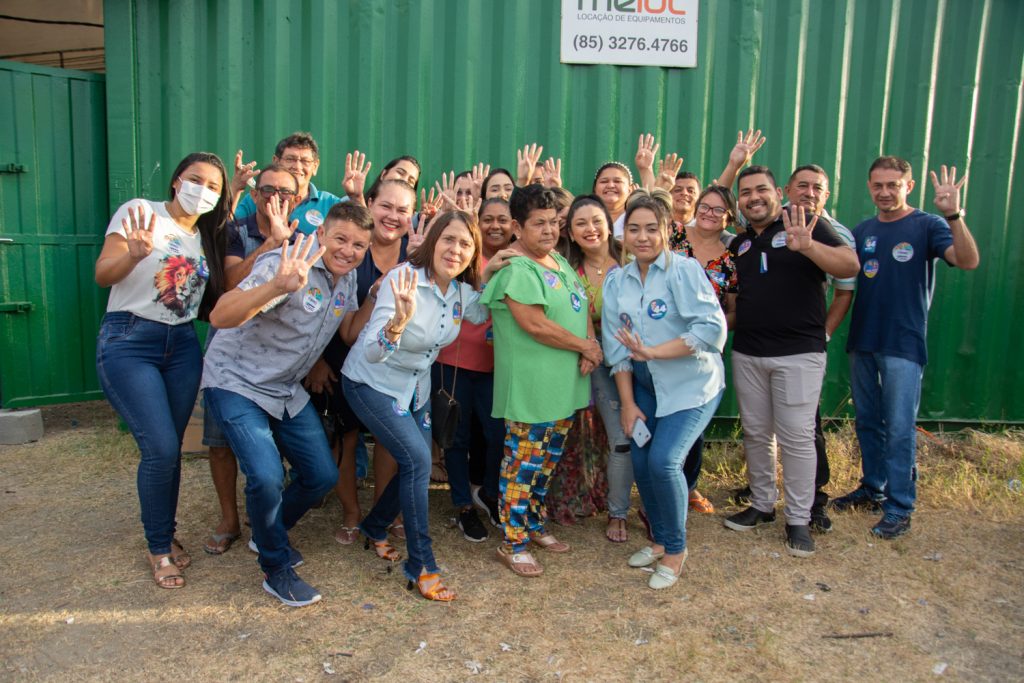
[(178, 285)]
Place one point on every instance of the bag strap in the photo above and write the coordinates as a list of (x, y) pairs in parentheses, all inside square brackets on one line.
[(458, 339)]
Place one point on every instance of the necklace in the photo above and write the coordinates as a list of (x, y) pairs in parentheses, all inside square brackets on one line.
[(599, 269)]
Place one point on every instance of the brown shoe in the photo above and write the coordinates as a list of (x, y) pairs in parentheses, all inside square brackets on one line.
[(522, 564), (551, 544)]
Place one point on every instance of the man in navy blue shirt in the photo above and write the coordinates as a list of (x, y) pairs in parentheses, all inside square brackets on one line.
[(898, 249)]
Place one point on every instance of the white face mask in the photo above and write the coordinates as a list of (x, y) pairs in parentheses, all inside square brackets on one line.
[(196, 199)]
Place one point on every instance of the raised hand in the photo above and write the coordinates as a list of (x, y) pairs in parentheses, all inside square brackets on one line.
[(552, 172), (526, 162), (243, 173), (138, 233), (356, 170), (470, 205), (947, 190), (668, 169), (646, 151), (477, 176), (746, 146), (417, 234), (634, 344), (446, 188), (403, 286), (293, 271), (429, 206), (798, 230), (280, 230)]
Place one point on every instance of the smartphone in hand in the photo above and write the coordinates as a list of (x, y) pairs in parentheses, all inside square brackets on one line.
[(641, 434)]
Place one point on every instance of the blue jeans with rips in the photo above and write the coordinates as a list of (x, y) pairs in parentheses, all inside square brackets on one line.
[(150, 373), (886, 394), (406, 435), (658, 465), (258, 440)]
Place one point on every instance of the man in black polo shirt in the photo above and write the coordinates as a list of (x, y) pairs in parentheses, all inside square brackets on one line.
[(778, 351)]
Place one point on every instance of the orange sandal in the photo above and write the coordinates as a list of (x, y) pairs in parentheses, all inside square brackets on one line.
[(431, 587), (699, 503), (384, 550), (550, 543)]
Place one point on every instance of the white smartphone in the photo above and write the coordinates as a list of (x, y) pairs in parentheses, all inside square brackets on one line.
[(641, 434)]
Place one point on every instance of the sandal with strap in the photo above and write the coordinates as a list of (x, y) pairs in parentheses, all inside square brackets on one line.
[(218, 544), (180, 556), (346, 535), (431, 587), (384, 549), (166, 574), (522, 564), (616, 530), (550, 543), (397, 530)]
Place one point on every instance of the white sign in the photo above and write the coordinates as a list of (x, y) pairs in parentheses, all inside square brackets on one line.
[(630, 32)]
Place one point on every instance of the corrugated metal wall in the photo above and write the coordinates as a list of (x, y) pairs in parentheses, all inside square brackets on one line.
[(457, 81)]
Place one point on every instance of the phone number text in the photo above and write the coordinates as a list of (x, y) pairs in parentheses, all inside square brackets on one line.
[(600, 43)]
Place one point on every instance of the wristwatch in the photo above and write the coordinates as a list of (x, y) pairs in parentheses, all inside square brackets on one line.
[(956, 216)]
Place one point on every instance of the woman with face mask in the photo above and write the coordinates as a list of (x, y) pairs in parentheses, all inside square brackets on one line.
[(163, 262)]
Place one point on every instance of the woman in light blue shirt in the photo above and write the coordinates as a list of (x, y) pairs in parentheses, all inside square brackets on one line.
[(386, 378), (663, 335)]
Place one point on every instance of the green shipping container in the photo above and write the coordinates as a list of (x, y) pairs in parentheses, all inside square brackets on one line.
[(459, 81)]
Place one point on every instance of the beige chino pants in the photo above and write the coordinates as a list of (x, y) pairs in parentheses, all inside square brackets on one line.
[(777, 398)]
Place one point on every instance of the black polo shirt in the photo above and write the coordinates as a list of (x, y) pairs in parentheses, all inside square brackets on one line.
[(780, 306)]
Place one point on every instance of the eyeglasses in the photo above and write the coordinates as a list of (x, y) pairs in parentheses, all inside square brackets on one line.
[(305, 163), (716, 211), (268, 191)]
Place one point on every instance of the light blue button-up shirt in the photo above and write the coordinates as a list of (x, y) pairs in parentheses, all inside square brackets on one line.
[(675, 301), (402, 370)]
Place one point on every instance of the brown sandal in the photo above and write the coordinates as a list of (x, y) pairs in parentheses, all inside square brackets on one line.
[(165, 573), (616, 530), (384, 550), (522, 564), (180, 556), (551, 544)]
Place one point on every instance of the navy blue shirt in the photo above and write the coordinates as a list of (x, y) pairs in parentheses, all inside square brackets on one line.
[(895, 284)]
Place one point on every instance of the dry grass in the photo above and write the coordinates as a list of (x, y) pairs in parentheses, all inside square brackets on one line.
[(76, 601)]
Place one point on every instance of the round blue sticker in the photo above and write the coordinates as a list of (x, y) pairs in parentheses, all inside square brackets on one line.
[(903, 252), (657, 309), (626, 321), (575, 301), (871, 268)]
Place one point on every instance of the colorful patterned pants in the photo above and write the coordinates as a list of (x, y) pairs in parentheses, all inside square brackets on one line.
[(531, 453)]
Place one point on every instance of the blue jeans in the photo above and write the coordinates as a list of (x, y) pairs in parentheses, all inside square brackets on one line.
[(620, 465), (886, 394), (406, 435), (658, 464), (150, 373), (258, 441), (475, 393)]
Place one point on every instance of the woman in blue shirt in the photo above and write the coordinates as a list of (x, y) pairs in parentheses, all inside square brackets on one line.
[(386, 378), (663, 335)]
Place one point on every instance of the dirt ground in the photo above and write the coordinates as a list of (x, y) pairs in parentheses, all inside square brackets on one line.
[(77, 601)]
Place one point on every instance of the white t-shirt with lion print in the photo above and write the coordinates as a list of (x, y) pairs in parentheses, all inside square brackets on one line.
[(167, 285)]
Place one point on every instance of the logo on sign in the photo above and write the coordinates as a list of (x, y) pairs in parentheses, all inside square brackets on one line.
[(903, 252), (657, 309), (640, 7), (871, 268)]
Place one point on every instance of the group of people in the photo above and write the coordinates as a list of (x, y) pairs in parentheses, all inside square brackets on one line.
[(581, 338)]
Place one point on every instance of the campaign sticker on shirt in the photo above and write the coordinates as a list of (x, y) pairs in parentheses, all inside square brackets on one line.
[(657, 309), (871, 268), (338, 305), (457, 313), (903, 252), (174, 245), (314, 218), (575, 301), (426, 419), (203, 269), (399, 410), (870, 244), (552, 280), (489, 336), (312, 299), (626, 321), (779, 240), (744, 248)]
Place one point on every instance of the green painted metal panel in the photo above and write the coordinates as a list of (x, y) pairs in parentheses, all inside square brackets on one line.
[(455, 82), (52, 218)]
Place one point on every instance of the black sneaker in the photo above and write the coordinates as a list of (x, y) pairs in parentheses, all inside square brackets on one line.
[(472, 529), (798, 540), (819, 520), (286, 586), (740, 496), (891, 526), (748, 519), (490, 506), (858, 499)]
